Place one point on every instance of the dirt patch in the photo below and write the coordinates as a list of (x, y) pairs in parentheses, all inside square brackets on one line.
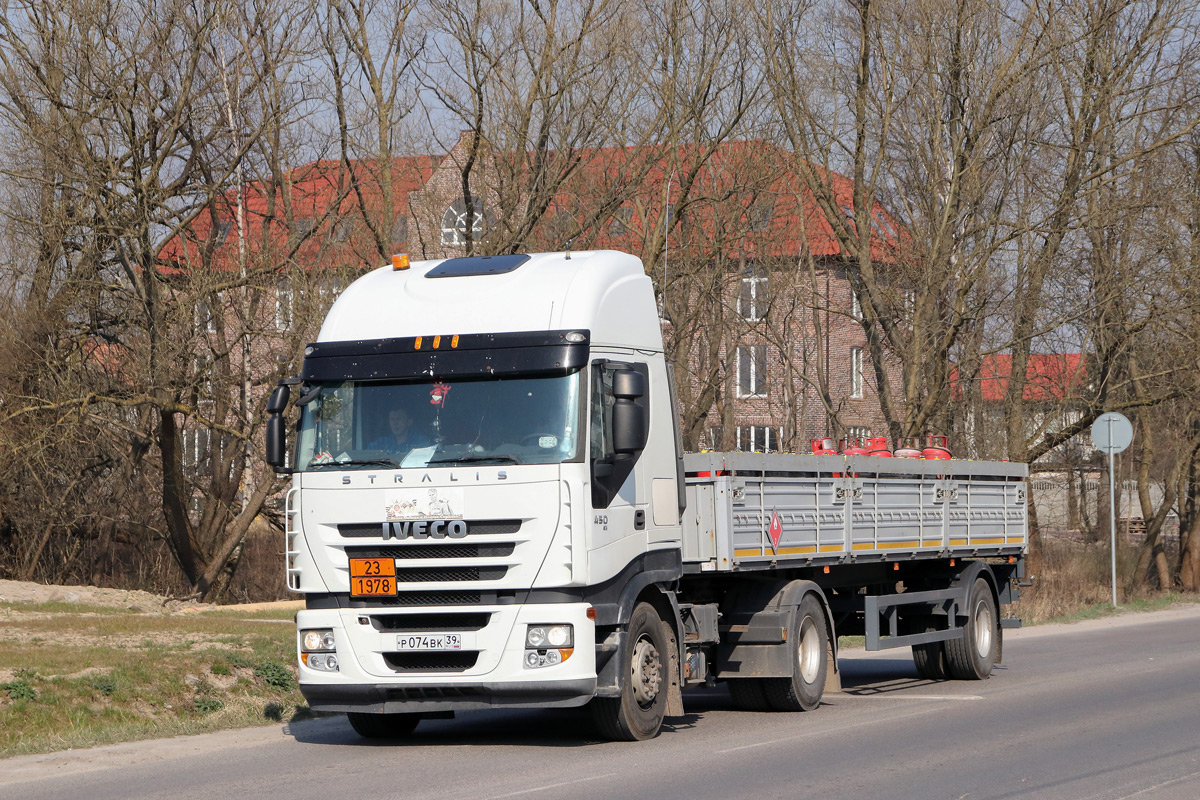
[(131, 599), (128, 599)]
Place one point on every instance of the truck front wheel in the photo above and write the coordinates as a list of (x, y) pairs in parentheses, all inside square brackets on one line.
[(809, 638), (638, 713), (383, 726)]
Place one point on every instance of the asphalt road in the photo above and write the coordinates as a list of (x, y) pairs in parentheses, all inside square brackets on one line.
[(1103, 710)]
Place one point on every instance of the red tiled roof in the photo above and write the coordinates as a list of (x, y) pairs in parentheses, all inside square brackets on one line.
[(1049, 376), (794, 212)]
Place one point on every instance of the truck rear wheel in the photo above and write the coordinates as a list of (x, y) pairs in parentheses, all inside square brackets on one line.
[(747, 694), (810, 645), (972, 657), (638, 713), (383, 726)]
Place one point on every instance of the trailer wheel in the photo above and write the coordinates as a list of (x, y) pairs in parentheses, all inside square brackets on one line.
[(638, 713), (930, 659), (383, 726), (810, 645), (972, 657)]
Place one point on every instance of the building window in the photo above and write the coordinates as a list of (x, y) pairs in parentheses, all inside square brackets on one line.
[(457, 221), (620, 221), (753, 299), (343, 229), (855, 306), (858, 431), (400, 229), (195, 456), (758, 439), (752, 370), (207, 308), (716, 437), (285, 302), (304, 227), (856, 372), (759, 216), (222, 233)]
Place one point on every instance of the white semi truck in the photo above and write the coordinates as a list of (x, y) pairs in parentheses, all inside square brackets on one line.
[(490, 507)]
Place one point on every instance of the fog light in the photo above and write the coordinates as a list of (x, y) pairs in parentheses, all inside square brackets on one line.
[(322, 662), (532, 659)]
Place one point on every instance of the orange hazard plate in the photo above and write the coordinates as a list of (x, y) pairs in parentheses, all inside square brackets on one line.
[(372, 577)]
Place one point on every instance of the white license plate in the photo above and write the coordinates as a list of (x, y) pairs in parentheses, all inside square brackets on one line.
[(429, 641)]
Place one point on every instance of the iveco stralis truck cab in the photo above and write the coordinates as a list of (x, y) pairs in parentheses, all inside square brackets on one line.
[(537, 487)]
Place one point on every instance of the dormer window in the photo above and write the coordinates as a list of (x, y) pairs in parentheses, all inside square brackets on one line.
[(458, 220)]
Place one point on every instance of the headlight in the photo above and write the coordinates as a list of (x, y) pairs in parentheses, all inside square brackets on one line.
[(319, 640), (547, 645), (539, 636)]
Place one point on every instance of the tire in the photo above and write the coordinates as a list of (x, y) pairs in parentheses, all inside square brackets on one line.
[(810, 648), (972, 657), (747, 694), (638, 713), (383, 726), (930, 658)]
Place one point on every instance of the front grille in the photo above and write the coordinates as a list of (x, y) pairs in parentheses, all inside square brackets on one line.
[(457, 661), (441, 574), (375, 530), (410, 551), (429, 599), (412, 623)]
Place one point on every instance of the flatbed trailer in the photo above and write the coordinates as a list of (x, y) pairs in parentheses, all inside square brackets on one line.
[(892, 542)]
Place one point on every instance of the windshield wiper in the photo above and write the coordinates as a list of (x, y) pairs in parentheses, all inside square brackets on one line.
[(359, 462), (500, 459)]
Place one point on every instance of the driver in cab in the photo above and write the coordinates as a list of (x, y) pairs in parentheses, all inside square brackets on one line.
[(400, 437)]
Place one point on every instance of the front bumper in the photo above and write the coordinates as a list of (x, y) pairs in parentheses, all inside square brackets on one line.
[(388, 698), (370, 679)]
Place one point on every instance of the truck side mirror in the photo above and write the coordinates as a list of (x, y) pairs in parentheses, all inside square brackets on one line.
[(276, 428), (630, 423), (276, 442), (279, 399)]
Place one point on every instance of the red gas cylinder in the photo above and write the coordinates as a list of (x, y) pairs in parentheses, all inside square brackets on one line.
[(852, 446), (910, 447), (936, 447), (878, 446), (824, 447)]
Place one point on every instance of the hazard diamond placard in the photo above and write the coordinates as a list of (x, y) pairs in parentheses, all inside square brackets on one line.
[(776, 530)]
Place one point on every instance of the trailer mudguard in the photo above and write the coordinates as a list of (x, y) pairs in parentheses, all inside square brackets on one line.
[(755, 622)]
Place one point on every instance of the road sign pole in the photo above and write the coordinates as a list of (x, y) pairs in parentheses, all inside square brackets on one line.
[(1112, 513), (1112, 433)]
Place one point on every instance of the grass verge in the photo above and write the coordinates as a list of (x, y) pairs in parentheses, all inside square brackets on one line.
[(75, 676)]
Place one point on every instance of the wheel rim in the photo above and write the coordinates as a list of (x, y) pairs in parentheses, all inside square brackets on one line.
[(809, 651), (645, 671), (983, 628)]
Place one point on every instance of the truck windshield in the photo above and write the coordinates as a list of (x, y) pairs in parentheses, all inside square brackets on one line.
[(373, 424)]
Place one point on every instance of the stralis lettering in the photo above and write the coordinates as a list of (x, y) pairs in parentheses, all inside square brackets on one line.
[(425, 529)]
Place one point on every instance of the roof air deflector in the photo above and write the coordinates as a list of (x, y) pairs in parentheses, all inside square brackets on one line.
[(477, 265)]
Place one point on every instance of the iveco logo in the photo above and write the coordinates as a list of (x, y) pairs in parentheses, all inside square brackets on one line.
[(425, 529)]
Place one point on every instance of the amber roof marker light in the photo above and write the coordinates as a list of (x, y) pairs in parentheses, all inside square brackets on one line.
[(400, 261)]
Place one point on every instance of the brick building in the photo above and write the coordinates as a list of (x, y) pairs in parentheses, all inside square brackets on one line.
[(758, 311)]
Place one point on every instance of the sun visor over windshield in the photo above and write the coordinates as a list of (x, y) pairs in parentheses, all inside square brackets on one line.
[(540, 353)]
